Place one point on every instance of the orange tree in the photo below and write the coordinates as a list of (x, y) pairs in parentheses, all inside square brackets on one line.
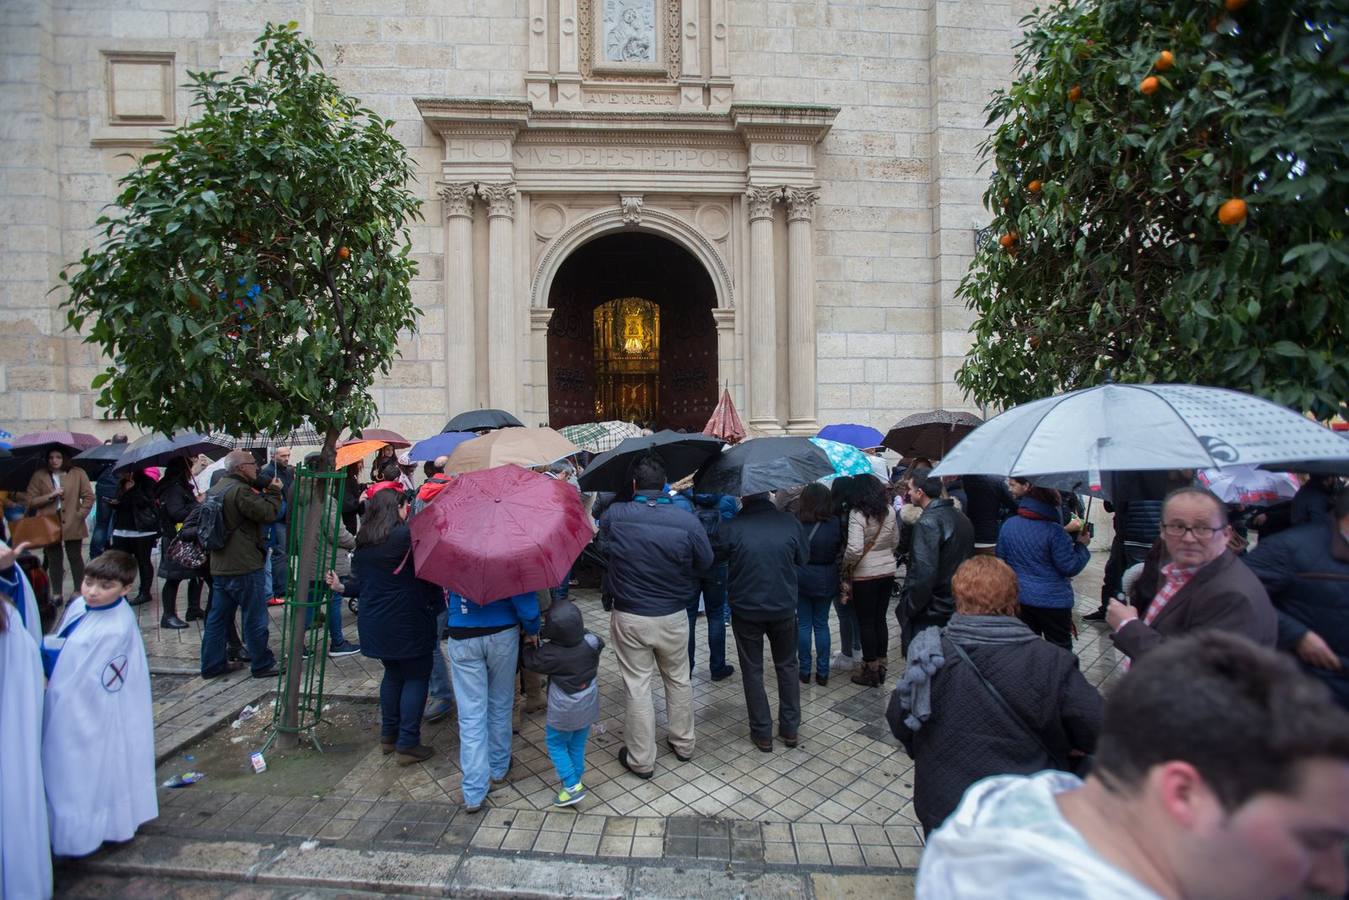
[(1170, 202)]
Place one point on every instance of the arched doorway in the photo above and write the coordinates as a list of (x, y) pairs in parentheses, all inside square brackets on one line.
[(652, 354)]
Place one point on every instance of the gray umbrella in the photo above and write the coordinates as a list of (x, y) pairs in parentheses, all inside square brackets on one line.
[(157, 450), (482, 420), (930, 434), (764, 464)]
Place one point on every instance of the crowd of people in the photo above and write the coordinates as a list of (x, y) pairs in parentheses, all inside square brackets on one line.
[(978, 572)]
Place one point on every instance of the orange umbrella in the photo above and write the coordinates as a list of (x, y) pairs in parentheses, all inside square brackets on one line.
[(725, 422), (351, 452), (521, 446)]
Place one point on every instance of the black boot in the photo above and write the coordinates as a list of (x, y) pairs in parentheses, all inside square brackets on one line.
[(169, 620)]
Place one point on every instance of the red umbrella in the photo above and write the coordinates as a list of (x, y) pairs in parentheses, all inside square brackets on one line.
[(75, 440), (392, 438), (498, 532), (725, 422)]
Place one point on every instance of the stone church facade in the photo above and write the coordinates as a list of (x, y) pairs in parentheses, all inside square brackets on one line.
[(630, 204)]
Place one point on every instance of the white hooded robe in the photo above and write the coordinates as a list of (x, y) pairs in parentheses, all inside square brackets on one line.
[(25, 851)]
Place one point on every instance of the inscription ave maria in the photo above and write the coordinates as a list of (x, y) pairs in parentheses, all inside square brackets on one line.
[(672, 159)]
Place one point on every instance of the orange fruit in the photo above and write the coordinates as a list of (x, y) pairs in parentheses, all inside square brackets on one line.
[(1007, 240), (1164, 61), (1034, 186), (1234, 5), (1233, 212), (344, 252), (1074, 93), (1149, 85)]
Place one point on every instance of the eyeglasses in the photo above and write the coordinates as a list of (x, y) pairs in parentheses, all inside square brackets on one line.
[(1201, 532)]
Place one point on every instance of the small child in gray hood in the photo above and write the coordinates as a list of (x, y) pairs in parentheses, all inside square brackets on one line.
[(570, 656)]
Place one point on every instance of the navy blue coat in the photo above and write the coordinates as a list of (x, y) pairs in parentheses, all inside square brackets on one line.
[(656, 551), (818, 578), (763, 547), (1043, 555), (398, 610), (1306, 571)]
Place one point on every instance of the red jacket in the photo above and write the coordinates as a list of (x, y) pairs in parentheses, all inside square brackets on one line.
[(432, 486)]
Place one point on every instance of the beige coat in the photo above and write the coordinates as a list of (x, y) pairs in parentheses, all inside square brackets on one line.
[(74, 505), (880, 559)]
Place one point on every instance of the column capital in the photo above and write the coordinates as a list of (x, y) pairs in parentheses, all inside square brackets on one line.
[(457, 198), (761, 200), (800, 203), (500, 199)]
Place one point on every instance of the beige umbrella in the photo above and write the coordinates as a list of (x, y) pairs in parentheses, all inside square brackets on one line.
[(521, 446)]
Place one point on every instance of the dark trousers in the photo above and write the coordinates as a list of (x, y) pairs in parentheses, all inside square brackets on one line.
[(168, 595), (1054, 625), (140, 548), (102, 534), (230, 593), (712, 588), (870, 600), (749, 641), (279, 560), (56, 566), (402, 697)]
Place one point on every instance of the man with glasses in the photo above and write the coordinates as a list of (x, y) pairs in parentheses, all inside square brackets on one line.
[(1203, 585)]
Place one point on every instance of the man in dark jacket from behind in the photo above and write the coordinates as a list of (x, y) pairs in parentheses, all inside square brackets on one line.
[(236, 569), (943, 538), (988, 504), (655, 552), (763, 546), (1306, 571)]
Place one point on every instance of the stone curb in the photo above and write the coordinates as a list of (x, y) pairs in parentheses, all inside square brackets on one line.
[(471, 874)]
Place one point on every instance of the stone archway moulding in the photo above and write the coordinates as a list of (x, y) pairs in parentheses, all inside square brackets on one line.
[(654, 221)]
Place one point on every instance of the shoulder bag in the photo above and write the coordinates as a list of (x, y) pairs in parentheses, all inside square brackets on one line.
[(845, 572), (40, 531)]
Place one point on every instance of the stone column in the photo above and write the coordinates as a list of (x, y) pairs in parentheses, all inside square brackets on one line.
[(762, 347), (502, 353), (801, 311), (461, 326)]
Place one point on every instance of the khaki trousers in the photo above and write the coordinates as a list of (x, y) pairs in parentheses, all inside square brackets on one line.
[(643, 644)]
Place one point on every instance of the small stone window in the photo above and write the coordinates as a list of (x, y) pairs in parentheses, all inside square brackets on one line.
[(140, 87)]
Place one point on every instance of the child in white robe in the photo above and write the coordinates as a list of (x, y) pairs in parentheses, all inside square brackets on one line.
[(25, 851), (98, 734)]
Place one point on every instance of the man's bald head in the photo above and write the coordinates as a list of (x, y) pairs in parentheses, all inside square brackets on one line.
[(237, 458), (441, 462)]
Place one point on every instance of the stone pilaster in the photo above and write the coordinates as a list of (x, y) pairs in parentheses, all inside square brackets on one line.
[(502, 352), (801, 310), (461, 327), (762, 348)]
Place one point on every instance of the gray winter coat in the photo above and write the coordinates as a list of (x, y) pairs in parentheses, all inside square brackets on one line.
[(570, 656)]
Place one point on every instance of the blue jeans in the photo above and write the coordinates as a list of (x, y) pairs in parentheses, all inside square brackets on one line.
[(228, 593), (849, 636), (567, 750), (484, 687), (402, 694), (812, 618), (102, 535), (712, 586), (335, 638), (278, 562), (563, 590), (441, 686)]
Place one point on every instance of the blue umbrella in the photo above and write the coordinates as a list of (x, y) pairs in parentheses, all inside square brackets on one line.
[(845, 458), (861, 436), (442, 444)]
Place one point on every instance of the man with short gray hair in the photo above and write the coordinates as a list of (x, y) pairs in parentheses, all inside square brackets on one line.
[(943, 538)]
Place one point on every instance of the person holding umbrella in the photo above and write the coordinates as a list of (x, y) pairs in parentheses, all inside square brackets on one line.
[(64, 491), (105, 490), (135, 527)]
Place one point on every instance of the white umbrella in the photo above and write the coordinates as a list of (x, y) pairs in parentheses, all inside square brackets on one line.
[(1249, 485), (1138, 427)]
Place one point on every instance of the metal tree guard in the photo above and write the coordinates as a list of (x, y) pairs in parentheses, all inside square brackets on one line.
[(328, 488)]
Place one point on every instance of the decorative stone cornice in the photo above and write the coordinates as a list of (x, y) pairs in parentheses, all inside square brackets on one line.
[(457, 198), (761, 200), (800, 203), (632, 208), (500, 199)]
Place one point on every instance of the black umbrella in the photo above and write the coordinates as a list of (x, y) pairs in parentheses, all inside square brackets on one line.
[(157, 450), (1312, 467), (96, 460), (29, 454), (681, 454), (16, 470), (930, 434), (482, 420), (764, 464)]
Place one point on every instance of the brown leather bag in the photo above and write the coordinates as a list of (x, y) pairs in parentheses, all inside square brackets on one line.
[(40, 531)]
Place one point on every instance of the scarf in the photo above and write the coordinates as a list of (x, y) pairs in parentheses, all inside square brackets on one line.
[(964, 629), (915, 685), (1030, 508)]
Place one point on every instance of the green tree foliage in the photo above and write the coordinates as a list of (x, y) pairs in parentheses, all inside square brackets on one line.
[(255, 271), (1108, 258)]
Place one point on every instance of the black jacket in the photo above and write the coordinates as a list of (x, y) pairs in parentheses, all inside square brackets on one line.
[(398, 609), (655, 552), (175, 498), (943, 538), (970, 736), (1306, 571), (352, 504), (565, 656), (989, 503), (763, 547), (135, 506), (818, 578)]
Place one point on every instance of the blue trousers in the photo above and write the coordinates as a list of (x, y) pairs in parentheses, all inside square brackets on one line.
[(849, 636), (335, 638), (228, 593), (402, 695), (712, 586), (441, 686), (812, 620), (484, 688), (567, 749)]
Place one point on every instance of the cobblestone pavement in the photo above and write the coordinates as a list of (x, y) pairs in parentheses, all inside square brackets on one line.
[(839, 803)]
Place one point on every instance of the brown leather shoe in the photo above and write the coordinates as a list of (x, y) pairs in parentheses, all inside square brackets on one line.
[(790, 740), (413, 755), (764, 746)]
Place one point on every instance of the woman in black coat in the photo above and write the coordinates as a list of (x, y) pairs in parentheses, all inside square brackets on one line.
[(1044, 714), (176, 497), (135, 524), (397, 623), (817, 582)]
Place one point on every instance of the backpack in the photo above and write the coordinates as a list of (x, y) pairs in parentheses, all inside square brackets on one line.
[(205, 525)]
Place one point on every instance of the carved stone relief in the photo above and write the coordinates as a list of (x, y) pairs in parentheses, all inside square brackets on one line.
[(632, 209), (457, 199), (629, 40)]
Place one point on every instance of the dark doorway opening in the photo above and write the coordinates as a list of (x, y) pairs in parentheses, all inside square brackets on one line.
[(632, 335)]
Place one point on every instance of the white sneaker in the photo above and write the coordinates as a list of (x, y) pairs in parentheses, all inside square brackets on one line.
[(842, 663)]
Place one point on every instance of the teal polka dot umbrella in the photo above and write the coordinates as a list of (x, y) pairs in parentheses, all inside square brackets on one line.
[(845, 458)]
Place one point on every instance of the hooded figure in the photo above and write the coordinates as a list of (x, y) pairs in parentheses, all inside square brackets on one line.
[(570, 655)]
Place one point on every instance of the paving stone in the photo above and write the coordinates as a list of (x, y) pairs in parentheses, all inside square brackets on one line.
[(677, 884), (184, 857), (487, 876), (387, 871), (861, 887)]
